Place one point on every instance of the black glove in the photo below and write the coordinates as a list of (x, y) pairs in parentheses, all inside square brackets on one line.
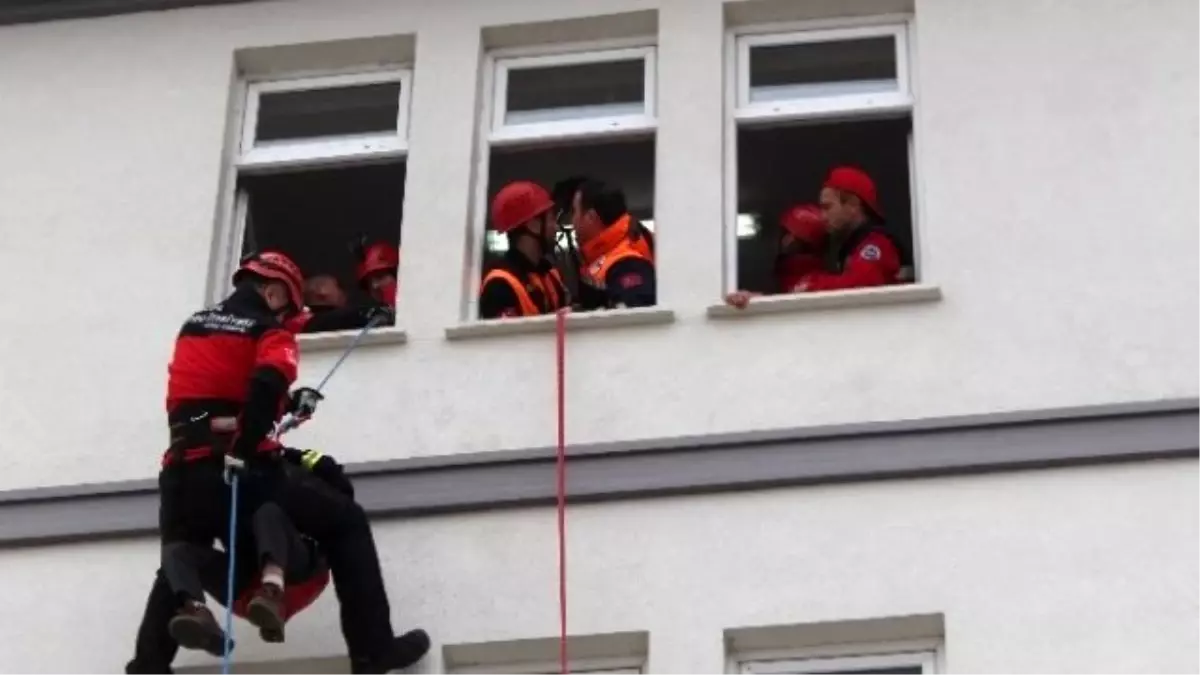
[(303, 402), (327, 469), (380, 315)]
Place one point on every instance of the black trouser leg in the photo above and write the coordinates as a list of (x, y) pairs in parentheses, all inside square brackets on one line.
[(155, 649), (340, 526), (182, 562), (278, 541), (193, 511)]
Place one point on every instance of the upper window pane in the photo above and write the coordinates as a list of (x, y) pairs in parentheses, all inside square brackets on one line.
[(334, 111), (571, 92), (820, 69)]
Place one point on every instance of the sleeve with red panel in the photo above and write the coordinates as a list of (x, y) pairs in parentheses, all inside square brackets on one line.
[(874, 262), (791, 270), (299, 321), (276, 363), (631, 283)]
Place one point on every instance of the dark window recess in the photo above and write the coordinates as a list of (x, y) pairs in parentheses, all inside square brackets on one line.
[(338, 111), (823, 62), (785, 165), (587, 84), (314, 216), (628, 164)]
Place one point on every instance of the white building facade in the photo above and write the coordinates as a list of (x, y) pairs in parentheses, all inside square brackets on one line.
[(990, 469)]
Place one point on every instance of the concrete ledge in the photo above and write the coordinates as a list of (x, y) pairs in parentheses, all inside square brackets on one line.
[(615, 318), (748, 643), (812, 302), (588, 653), (674, 466), (340, 339), (29, 11)]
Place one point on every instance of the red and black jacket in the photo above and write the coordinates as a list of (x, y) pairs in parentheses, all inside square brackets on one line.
[(231, 360)]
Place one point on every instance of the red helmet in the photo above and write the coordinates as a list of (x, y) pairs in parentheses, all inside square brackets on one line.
[(518, 203), (856, 182), (378, 257), (277, 267), (804, 222)]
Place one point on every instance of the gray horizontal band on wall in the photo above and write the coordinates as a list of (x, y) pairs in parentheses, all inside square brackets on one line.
[(438, 485), (30, 11)]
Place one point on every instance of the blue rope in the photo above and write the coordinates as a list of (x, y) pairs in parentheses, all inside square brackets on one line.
[(233, 513)]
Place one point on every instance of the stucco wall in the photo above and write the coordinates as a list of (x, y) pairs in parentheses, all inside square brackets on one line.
[(1057, 205), (1064, 571)]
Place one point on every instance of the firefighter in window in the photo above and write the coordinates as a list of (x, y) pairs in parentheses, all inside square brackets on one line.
[(324, 292), (377, 271), (617, 262), (525, 282), (327, 307), (640, 236), (863, 253), (801, 251)]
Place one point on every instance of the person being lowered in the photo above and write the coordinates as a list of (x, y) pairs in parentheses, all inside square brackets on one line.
[(227, 386), (165, 629)]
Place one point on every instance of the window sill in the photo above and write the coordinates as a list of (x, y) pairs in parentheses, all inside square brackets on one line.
[(810, 302), (339, 339), (613, 318)]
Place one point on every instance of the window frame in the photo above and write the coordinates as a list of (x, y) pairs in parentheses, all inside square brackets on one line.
[(740, 112), (836, 104), (293, 156), (925, 660), (492, 95), (499, 133), (322, 151)]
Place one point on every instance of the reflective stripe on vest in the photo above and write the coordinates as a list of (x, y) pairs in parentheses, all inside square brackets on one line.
[(528, 306), (596, 273)]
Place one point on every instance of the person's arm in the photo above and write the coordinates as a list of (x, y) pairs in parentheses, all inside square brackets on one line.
[(339, 318), (322, 466), (631, 283), (497, 299), (276, 363), (874, 263)]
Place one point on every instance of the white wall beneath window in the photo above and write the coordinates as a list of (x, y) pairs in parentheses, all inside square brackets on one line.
[(1057, 211), (1056, 571)]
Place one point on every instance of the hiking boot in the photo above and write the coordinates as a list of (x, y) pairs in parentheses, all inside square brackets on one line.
[(266, 612), (194, 627), (404, 651)]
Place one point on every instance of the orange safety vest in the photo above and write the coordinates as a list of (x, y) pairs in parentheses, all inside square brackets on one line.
[(611, 247), (548, 284)]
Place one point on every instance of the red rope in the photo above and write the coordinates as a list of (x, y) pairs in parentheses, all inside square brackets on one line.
[(561, 349)]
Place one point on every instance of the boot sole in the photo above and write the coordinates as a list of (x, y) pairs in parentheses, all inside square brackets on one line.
[(192, 633), (410, 654), (266, 619)]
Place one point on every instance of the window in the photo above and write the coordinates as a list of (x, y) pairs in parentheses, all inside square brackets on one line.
[(900, 663), (320, 171), (600, 653), (553, 115), (583, 93), (801, 103)]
